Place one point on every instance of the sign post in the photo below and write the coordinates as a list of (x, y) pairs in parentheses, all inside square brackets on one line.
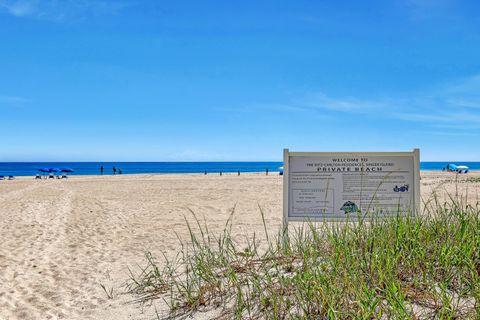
[(336, 186)]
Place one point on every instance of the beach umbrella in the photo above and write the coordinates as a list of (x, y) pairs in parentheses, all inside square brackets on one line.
[(54, 170), (44, 170), (451, 167), (66, 170)]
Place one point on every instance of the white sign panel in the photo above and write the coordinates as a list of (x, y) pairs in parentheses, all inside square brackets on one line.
[(334, 186)]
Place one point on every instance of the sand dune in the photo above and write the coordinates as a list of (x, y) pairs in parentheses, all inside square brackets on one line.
[(61, 239)]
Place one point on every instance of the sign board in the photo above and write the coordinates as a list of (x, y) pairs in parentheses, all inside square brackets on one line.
[(340, 185)]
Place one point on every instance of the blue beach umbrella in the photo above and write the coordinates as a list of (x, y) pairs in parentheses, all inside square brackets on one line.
[(44, 170), (67, 170), (452, 167), (54, 170)]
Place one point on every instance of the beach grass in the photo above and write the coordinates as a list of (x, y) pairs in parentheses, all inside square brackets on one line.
[(473, 180), (424, 266)]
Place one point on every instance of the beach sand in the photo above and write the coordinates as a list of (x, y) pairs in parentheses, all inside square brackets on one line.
[(61, 239)]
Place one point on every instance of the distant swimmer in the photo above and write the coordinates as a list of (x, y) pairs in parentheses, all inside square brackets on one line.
[(101, 170)]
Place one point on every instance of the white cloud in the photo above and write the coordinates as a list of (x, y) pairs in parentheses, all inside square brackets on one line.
[(12, 99), (465, 85), (18, 8), (455, 104), (442, 117), (466, 102), (57, 10), (449, 133), (322, 101)]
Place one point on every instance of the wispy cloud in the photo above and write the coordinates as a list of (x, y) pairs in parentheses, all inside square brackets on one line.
[(12, 100), (449, 133), (458, 116), (452, 106), (465, 102), (61, 10), (18, 8), (321, 100)]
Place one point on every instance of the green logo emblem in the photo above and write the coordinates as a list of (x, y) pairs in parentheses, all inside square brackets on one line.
[(349, 207)]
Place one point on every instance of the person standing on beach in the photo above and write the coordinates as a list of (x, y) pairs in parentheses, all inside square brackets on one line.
[(119, 170), (238, 172), (266, 172), (114, 170), (101, 170)]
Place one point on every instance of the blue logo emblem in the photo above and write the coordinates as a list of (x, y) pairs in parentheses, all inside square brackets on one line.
[(403, 188)]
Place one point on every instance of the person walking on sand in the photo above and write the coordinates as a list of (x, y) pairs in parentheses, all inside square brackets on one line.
[(114, 170), (101, 170)]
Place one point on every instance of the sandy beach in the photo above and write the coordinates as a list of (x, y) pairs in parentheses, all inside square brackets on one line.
[(62, 239)]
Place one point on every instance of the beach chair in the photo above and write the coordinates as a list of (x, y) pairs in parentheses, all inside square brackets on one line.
[(64, 176), (462, 169), (38, 176), (51, 176), (2, 178), (11, 178)]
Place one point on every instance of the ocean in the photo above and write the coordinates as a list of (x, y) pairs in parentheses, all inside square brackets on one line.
[(92, 168)]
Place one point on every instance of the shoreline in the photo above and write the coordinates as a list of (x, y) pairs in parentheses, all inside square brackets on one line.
[(187, 174), (209, 174)]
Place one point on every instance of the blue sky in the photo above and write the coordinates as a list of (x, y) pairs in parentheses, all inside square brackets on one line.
[(140, 80)]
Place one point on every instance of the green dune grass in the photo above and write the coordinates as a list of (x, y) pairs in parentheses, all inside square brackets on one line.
[(405, 267)]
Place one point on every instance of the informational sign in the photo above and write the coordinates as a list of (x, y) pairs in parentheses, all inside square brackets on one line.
[(344, 185)]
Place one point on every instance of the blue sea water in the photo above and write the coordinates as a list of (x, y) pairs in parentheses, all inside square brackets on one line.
[(90, 168)]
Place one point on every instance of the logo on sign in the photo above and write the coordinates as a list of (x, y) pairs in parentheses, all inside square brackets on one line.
[(403, 188), (349, 207)]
